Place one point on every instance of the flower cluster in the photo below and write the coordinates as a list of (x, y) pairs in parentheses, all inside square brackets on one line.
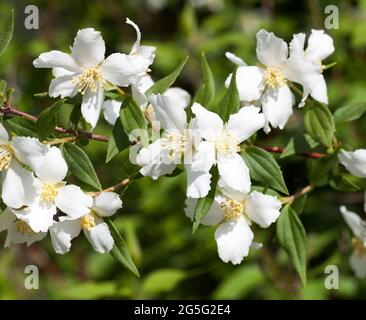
[(39, 200)]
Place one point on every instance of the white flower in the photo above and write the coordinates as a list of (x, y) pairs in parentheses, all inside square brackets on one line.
[(52, 193), (222, 143), (358, 227), (17, 189), (234, 212), (320, 46), (269, 82), (177, 145), (355, 161), (112, 107), (86, 70), (17, 230), (95, 229)]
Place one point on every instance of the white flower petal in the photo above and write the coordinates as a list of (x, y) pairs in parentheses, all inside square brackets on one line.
[(18, 189), (355, 162), (245, 122), (358, 265), (62, 233), (198, 183), (4, 136), (29, 151), (171, 117), (209, 123), (15, 237), (271, 50), (100, 237), (214, 215), (136, 45), (319, 89), (356, 224), (235, 59), (250, 83), (73, 201), (6, 219), (233, 240), (320, 46), (277, 106), (111, 109), (56, 59), (53, 168), (107, 203), (39, 215), (261, 208), (205, 157), (63, 87), (89, 48), (180, 96), (297, 44), (234, 172), (150, 158), (92, 105)]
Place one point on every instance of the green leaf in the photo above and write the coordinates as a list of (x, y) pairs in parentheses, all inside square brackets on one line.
[(163, 280), (206, 93), (117, 142), (350, 112), (238, 283), (319, 123), (320, 171), (264, 168), (298, 145), (46, 122), (80, 165), (7, 32), (163, 84), (3, 86), (132, 117), (230, 103), (292, 238), (204, 204), (119, 251), (22, 127), (347, 183)]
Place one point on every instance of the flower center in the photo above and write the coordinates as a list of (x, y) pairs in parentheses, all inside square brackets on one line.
[(233, 209), (175, 143), (227, 143), (49, 192), (274, 77), (358, 247), (88, 80), (5, 156), (88, 221), (22, 227)]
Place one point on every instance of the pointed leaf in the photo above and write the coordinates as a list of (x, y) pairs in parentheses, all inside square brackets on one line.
[(230, 103), (206, 93), (46, 122), (7, 32)]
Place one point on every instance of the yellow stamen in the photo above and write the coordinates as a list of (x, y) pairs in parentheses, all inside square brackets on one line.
[(6, 154), (24, 228), (88, 221), (274, 77), (358, 247), (49, 192), (233, 209), (227, 143), (175, 143), (88, 80)]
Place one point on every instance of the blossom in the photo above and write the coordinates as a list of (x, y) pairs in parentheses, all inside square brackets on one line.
[(354, 161), (52, 193), (112, 107), (177, 145), (234, 213), (320, 46), (18, 231), (269, 82), (86, 70), (222, 143), (358, 227), (95, 229), (17, 188)]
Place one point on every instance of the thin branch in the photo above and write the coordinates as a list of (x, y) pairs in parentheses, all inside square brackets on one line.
[(7, 109), (299, 194)]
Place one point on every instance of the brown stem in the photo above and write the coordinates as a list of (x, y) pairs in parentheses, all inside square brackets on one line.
[(299, 194), (7, 109), (313, 155)]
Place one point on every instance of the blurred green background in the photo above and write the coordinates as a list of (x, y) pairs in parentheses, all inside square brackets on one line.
[(173, 263)]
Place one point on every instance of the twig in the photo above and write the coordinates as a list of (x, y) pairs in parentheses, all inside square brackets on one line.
[(299, 194), (313, 155)]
